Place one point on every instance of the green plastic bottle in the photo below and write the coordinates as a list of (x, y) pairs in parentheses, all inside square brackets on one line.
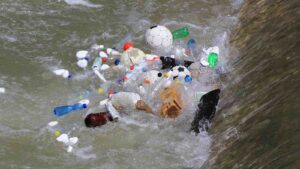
[(212, 60), (180, 33)]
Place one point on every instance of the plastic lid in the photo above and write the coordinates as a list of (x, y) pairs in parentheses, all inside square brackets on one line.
[(127, 45), (84, 106), (117, 61), (188, 78), (81, 54)]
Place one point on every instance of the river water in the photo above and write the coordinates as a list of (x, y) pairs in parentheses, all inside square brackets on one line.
[(37, 37)]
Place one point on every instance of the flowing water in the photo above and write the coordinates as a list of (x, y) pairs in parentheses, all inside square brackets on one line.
[(37, 37)]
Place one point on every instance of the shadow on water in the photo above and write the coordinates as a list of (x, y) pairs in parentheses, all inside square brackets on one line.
[(259, 126)]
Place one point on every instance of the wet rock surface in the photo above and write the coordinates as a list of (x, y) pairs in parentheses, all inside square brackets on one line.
[(257, 125)]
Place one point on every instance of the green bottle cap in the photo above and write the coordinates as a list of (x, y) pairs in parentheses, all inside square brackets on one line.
[(212, 60)]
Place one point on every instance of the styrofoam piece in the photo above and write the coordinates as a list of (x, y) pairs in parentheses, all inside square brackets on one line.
[(2, 90), (66, 74), (109, 50), (104, 67), (52, 123), (214, 49), (204, 62), (64, 138), (82, 63), (97, 47), (70, 149), (103, 54), (73, 140), (82, 54), (59, 72)]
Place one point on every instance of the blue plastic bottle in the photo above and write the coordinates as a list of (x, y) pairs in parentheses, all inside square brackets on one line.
[(63, 110)]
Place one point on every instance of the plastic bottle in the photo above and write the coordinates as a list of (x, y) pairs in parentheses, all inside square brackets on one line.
[(63, 110), (180, 33), (96, 67)]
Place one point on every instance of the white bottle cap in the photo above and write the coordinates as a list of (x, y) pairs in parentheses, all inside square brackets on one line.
[(81, 54), (59, 72), (103, 54), (66, 74), (2, 90), (82, 63)]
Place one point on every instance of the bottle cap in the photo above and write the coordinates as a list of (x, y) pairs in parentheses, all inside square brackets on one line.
[(103, 54), (82, 63), (117, 61), (127, 45), (81, 54), (104, 59), (131, 67), (57, 133), (188, 78)]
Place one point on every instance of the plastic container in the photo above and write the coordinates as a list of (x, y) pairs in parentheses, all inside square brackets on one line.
[(180, 33), (64, 110)]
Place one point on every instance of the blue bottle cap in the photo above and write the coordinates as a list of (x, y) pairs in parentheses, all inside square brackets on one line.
[(84, 106), (117, 61), (188, 78), (87, 58)]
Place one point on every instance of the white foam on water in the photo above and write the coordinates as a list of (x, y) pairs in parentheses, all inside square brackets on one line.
[(85, 3)]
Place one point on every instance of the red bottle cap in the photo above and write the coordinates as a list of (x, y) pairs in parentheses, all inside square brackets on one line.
[(131, 67), (127, 45), (104, 59)]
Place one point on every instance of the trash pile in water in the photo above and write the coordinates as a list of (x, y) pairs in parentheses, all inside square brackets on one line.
[(162, 82)]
